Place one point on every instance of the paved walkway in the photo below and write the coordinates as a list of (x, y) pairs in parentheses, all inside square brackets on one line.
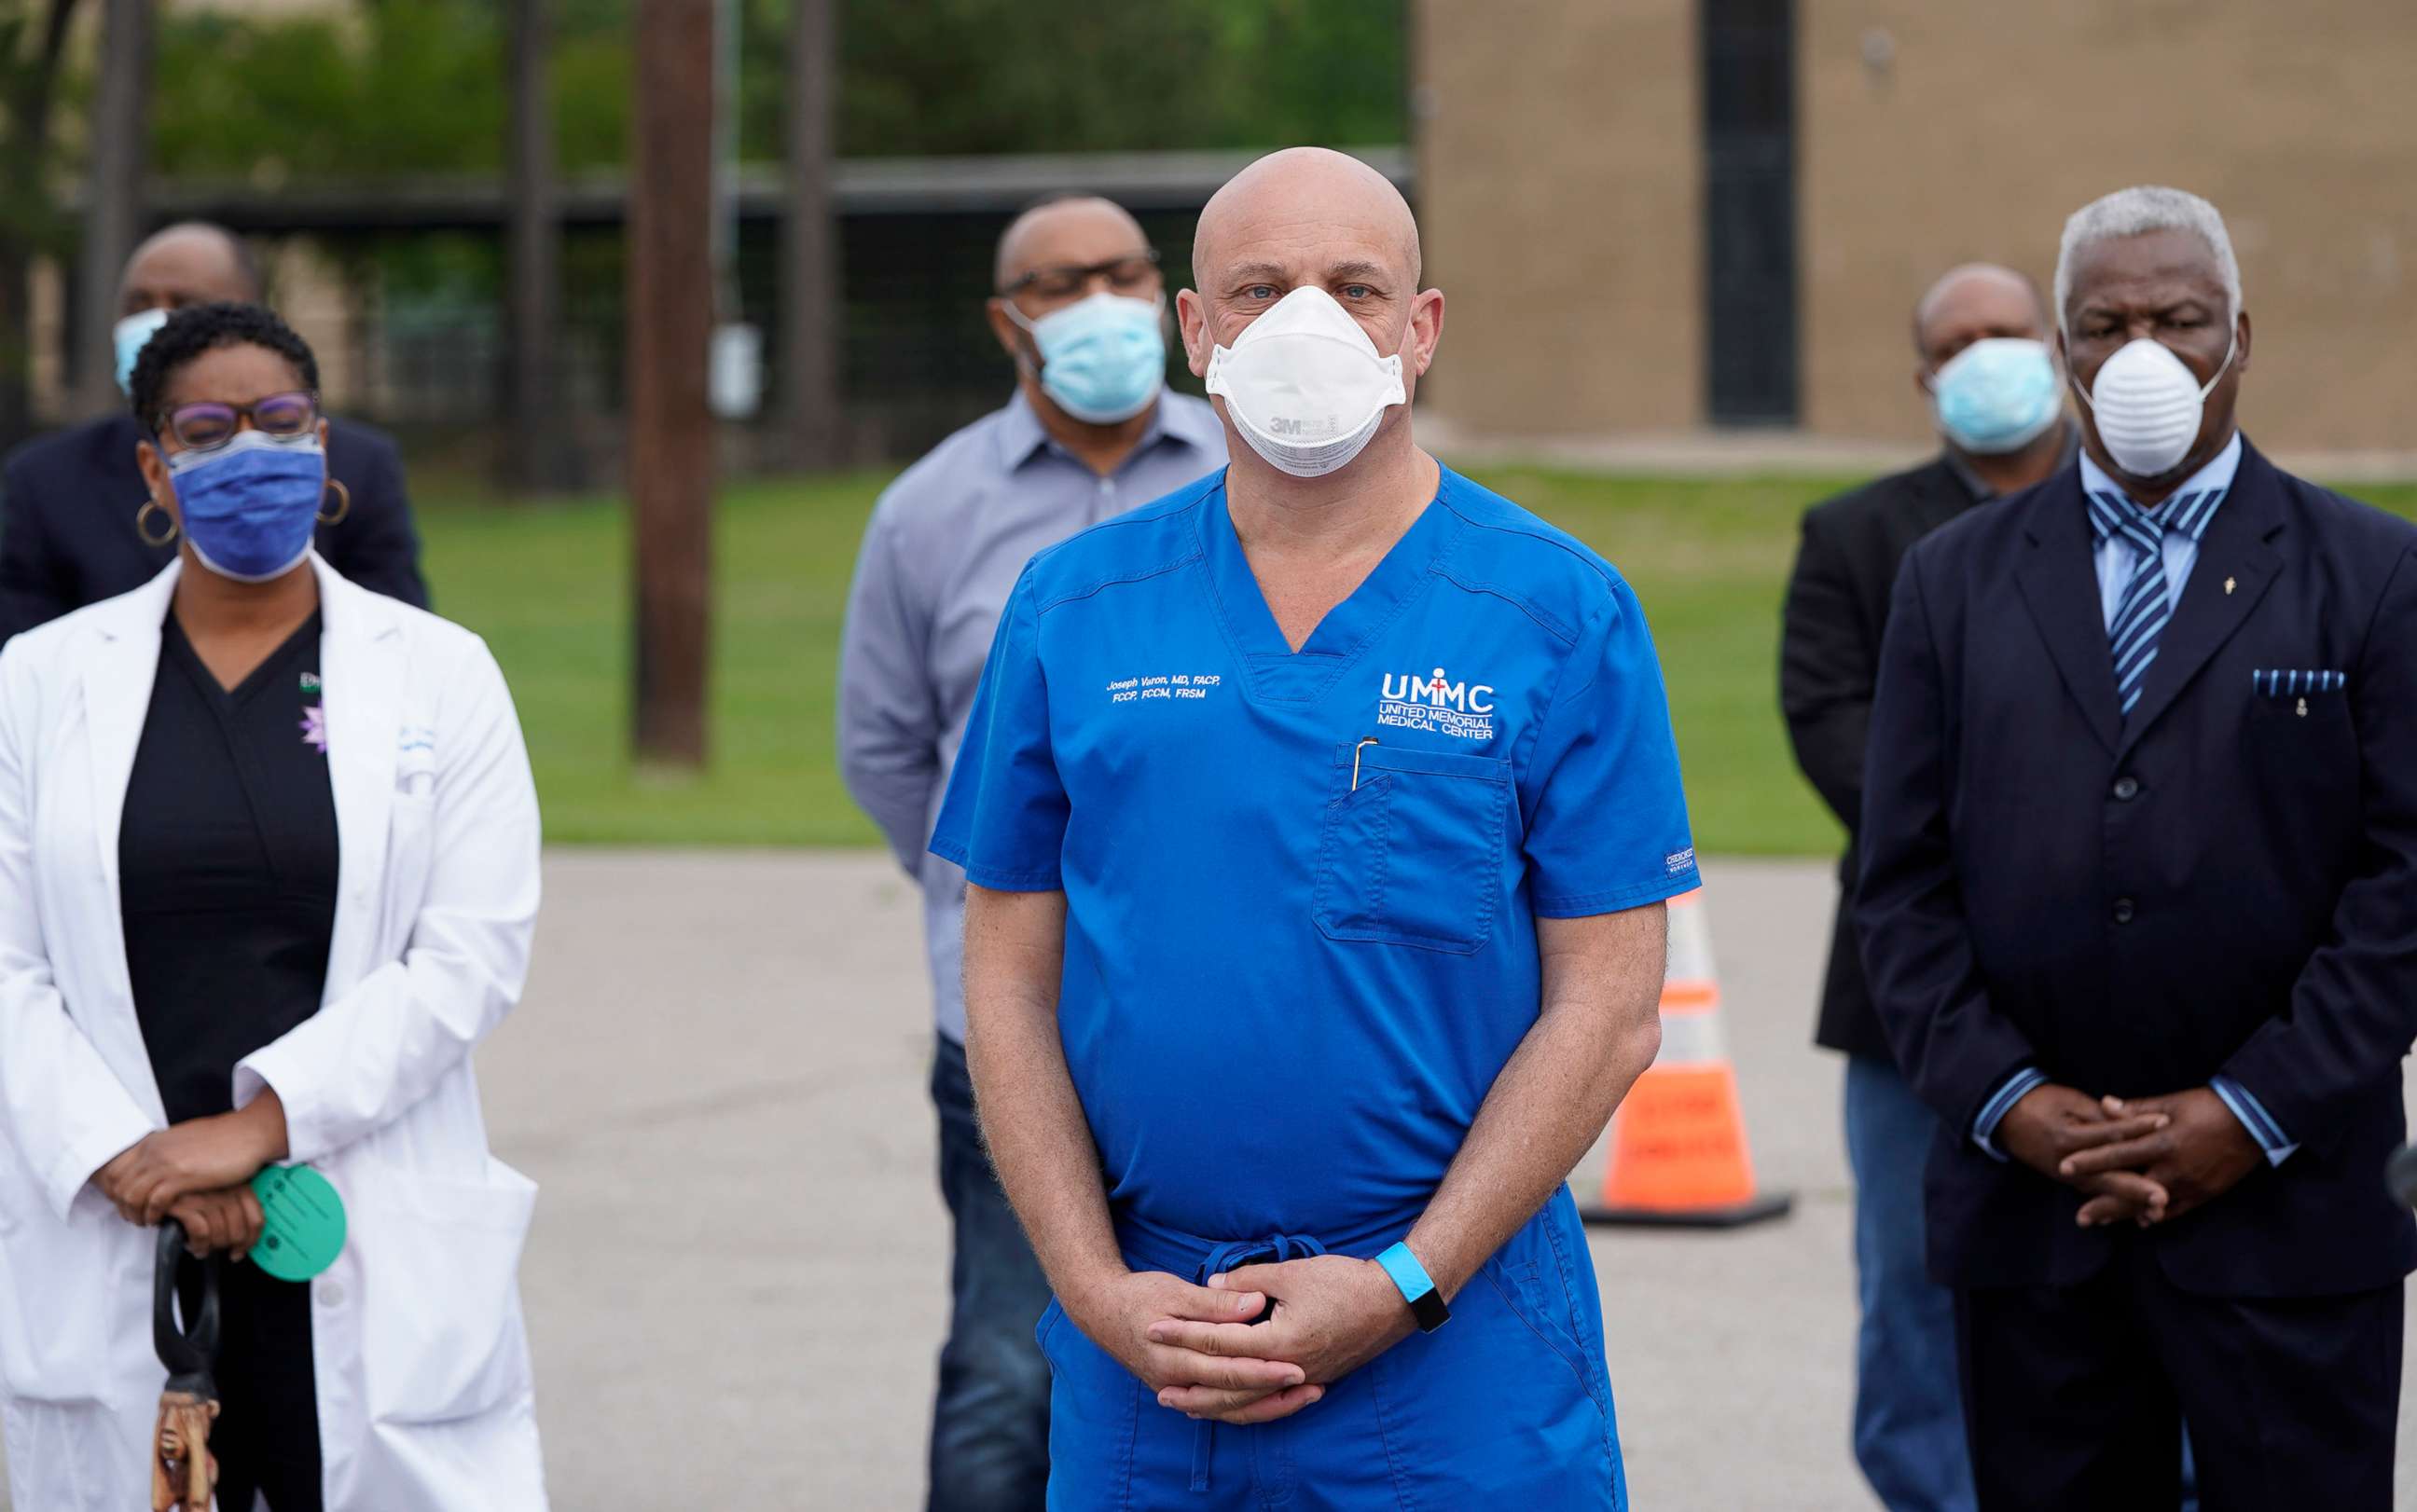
[(1749, 452), (736, 1280)]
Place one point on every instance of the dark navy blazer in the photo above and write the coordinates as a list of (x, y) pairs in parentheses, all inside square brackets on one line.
[(67, 520), (2225, 883)]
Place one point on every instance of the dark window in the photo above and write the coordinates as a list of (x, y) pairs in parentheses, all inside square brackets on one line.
[(1749, 61)]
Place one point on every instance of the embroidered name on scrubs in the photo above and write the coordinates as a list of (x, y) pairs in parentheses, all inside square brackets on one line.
[(1163, 687), (1435, 703)]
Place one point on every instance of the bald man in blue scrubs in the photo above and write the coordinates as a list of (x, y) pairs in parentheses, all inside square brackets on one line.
[(1318, 819)]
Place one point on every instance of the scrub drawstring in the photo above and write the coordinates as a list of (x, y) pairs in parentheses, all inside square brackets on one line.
[(1233, 1255)]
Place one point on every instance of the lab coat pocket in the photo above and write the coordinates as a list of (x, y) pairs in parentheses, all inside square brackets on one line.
[(57, 1301), (440, 1263), (411, 829), (1411, 851)]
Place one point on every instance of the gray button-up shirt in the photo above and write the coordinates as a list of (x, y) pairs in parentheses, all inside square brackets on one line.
[(947, 542)]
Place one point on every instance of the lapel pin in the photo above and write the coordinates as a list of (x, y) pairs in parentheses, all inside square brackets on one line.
[(2304, 708), (2228, 585)]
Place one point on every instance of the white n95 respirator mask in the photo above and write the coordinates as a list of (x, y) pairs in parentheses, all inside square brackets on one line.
[(1304, 384), (2148, 405)]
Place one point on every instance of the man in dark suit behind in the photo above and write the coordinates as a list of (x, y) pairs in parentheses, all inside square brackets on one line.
[(1986, 371), (68, 501), (2139, 903)]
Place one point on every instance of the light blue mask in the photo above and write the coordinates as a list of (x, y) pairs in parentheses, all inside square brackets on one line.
[(248, 507), (129, 336), (1102, 359), (1996, 395)]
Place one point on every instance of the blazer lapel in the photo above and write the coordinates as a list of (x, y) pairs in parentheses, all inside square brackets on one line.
[(2060, 586), (2236, 565), (360, 674)]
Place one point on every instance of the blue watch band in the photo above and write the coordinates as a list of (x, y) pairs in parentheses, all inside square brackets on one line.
[(1418, 1289)]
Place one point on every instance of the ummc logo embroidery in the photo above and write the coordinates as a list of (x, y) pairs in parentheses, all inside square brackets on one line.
[(1434, 701)]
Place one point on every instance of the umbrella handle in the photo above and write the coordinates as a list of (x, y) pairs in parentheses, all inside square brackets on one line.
[(191, 1353)]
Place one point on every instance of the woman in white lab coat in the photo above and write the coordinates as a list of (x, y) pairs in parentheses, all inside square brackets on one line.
[(215, 957)]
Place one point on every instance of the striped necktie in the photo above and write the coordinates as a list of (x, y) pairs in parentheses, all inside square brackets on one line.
[(2141, 613)]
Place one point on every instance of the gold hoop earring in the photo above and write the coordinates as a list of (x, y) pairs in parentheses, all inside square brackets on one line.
[(343, 503), (150, 506)]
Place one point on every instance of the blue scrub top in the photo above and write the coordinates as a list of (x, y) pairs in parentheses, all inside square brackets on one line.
[(1285, 997)]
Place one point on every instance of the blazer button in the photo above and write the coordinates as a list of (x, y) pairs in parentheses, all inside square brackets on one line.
[(2127, 788), (2123, 910)]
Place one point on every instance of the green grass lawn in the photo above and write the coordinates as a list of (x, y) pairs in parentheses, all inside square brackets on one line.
[(548, 586)]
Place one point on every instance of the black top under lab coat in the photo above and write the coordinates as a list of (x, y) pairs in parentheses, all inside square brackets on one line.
[(227, 866), (227, 856)]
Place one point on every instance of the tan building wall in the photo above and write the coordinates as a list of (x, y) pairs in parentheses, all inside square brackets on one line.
[(1988, 125), (1559, 177), (1560, 189)]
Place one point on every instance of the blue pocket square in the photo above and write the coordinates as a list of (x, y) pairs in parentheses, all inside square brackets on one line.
[(2283, 681)]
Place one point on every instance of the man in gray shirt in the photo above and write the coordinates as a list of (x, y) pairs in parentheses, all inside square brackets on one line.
[(1081, 310)]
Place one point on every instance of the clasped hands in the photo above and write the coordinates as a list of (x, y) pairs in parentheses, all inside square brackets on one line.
[(1197, 1347), (2147, 1160), (199, 1172)]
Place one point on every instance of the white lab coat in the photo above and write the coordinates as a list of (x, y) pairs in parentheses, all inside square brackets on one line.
[(425, 1402)]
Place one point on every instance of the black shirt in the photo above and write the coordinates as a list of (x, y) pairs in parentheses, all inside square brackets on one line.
[(227, 864)]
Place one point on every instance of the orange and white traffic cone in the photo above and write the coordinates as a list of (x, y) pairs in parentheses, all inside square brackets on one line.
[(1677, 1144)]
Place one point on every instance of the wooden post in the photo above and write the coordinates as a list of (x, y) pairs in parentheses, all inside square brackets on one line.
[(537, 460), (121, 147), (671, 322), (812, 425)]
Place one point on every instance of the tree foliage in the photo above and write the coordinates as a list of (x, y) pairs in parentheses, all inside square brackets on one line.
[(371, 88)]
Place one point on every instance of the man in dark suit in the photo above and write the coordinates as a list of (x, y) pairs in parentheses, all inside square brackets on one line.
[(68, 501), (1985, 371), (2139, 905)]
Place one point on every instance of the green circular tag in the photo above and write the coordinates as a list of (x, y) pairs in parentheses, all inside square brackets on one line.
[(303, 1223)]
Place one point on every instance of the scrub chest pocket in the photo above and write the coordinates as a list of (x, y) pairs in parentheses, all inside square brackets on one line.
[(1413, 854)]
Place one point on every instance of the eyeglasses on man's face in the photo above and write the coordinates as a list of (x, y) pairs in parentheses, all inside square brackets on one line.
[(1134, 274)]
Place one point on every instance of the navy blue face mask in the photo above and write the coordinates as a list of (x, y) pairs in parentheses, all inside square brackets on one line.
[(248, 507)]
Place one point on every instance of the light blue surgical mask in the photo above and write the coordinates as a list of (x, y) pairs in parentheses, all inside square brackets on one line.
[(129, 336), (1102, 359), (248, 507), (1997, 394)]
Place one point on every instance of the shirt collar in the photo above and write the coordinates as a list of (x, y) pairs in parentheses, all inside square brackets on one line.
[(1021, 433), (2217, 477), (1980, 489)]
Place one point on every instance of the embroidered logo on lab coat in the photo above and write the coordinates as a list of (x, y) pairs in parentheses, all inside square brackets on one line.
[(314, 716), (1435, 703)]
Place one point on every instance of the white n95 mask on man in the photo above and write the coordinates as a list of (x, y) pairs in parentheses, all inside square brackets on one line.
[(2148, 405), (1304, 384)]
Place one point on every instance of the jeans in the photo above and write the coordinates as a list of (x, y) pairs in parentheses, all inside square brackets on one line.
[(989, 1423), (1908, 1409)]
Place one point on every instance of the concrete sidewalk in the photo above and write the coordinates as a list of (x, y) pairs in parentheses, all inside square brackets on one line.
[(738, 1278)]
